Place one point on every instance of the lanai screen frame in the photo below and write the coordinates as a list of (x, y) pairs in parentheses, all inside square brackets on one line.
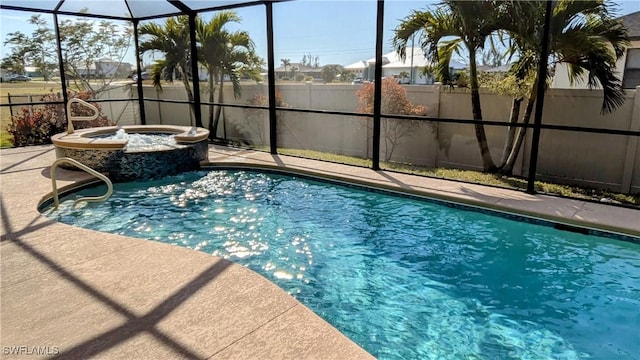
[(182, 8)]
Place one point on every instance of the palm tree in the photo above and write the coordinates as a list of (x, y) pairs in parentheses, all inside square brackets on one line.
[(285, 63), (452, 26), (172, 39), (225, 54), (584, 36), (404, 75)]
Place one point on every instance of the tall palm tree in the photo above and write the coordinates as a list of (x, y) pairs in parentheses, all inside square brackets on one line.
[(225, 54), (452, 26), (583, 35), (285, 63), (172, 39)]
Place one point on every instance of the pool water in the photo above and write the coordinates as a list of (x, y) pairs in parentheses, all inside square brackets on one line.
[(143, 142), (403, 277)]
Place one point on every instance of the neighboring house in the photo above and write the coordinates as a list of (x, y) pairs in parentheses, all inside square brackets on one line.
[(393, 66), (631, 60), (105, 69), (295, 69), (32, 71), (5, 75), (628, 66), (357, 69)]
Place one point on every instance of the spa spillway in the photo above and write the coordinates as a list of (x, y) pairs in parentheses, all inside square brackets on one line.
[(135, 152)]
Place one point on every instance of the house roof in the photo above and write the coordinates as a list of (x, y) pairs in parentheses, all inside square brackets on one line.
[(356, 65), (416, 54), (392, 60), (632, 23), (299, 67)]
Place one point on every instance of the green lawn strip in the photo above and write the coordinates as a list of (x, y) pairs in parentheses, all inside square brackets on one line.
[(476, 177)]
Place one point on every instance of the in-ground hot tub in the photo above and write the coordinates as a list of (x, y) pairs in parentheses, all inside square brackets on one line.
[(135, 152)]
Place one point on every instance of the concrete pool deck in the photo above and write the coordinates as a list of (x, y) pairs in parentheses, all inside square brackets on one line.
[(76, 293)]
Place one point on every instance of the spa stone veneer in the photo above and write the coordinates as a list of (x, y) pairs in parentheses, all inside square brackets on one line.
[(95, 149)]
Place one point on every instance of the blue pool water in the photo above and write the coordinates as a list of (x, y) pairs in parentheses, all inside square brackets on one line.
[(405, 278)]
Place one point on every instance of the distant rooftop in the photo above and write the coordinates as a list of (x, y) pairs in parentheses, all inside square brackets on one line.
[(392, 60), (632, 23)]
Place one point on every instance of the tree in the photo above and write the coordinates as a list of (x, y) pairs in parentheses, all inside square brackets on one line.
[(84, 43), (330, 72), (225, 54), (30, 50), (347, 76), (584, 36), (41, 53), (285, 63), (394, 101), (404, 75), (171, 39), (450, 27)]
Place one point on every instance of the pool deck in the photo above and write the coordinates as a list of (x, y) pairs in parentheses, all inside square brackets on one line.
[(75, 293)]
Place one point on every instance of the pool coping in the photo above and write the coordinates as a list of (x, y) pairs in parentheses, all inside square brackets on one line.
[(84, 293), (86, 138)]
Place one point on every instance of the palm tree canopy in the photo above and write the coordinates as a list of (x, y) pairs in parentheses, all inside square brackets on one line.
[(443, 30), (172, 39), (584, 36), (226, 53)]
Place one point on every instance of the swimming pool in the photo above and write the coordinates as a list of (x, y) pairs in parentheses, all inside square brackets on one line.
[(401, 276)]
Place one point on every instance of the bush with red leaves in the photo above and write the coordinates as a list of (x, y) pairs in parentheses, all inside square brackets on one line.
[(36, 124)]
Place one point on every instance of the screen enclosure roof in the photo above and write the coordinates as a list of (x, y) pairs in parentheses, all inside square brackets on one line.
[(125, 9)]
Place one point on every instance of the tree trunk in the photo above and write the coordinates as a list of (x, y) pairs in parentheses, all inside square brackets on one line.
[(213, 126), (187, 88), (481, 137), (220, 101), (507, 169), (511, 130)]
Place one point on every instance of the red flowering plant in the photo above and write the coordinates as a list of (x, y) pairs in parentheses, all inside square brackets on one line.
[(34, 125), (394, 102)]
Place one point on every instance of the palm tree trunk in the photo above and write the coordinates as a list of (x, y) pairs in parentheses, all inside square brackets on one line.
[(511, 130), (220, 101), (212, 90), (507, 169), (187, 88), (481, 137)]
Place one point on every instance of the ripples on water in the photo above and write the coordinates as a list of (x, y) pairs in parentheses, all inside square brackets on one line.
[(403, 278)]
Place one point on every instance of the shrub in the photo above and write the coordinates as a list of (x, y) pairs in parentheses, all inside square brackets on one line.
[(394, 102), (253, 125), (35, 125), (394, 99), (263, 100)]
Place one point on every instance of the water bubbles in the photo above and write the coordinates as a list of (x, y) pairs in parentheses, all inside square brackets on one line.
[(144, 142)]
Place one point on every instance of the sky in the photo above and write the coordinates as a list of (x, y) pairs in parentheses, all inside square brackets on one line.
[(337, 32)]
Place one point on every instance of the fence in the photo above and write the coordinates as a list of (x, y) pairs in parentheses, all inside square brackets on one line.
[(601, 160)]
